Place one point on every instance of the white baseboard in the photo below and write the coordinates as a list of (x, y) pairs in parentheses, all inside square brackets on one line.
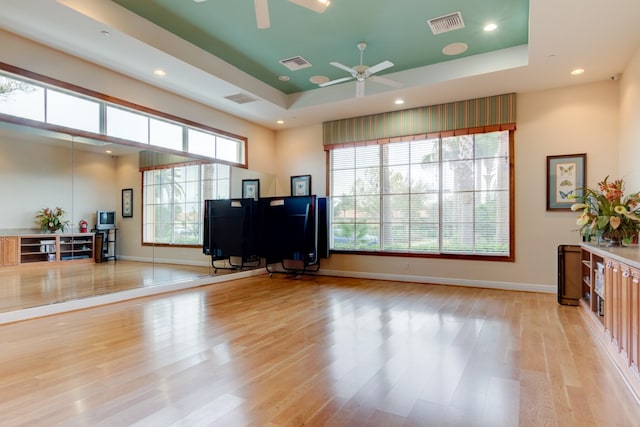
[(507, 286)]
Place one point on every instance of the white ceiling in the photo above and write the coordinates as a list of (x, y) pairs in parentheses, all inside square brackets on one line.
[(595, 35)]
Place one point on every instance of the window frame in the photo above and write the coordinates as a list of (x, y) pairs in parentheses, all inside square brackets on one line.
[(510, 257), (46, 83), (173, 244)]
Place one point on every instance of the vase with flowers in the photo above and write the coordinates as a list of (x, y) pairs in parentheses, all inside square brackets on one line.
[(607, 213), (51, 220)]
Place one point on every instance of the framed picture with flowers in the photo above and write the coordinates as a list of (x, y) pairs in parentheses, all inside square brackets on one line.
[(566, 177)]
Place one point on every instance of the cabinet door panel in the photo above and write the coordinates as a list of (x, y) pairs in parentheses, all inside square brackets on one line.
[(625, 310), (9, 251), (634, 306)]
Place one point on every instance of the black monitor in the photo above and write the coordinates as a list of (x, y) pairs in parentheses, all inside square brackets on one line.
[(229, 229), (288, 229)]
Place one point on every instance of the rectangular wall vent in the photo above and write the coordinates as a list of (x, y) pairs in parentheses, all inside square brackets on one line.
[(295, 63), (443, 24), (241, 98)]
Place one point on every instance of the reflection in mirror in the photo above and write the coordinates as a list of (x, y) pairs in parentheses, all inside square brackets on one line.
[(267, 182), (42, 169)]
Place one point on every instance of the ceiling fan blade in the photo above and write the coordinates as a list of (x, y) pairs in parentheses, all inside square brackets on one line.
[(379, 67), (344, 67), (262, 14), (336, 81), (359, 89), (316, 5), (385, 81)]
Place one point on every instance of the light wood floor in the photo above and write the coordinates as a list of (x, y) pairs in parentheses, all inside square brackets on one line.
[(316, 351), (42, 285)]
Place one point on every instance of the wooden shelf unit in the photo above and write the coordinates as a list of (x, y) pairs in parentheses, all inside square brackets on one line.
[(56, 248), (593, 283)]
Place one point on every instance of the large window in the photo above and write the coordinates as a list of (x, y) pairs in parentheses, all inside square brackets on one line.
[(84, 111), (174, 198), (443, 196)]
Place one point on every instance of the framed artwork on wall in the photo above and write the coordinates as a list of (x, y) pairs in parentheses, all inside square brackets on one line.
[(127, 203), (301, 185), (251, 189), (566, 177)]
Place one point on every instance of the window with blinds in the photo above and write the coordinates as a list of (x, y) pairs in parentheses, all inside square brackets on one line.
[(447, 195)]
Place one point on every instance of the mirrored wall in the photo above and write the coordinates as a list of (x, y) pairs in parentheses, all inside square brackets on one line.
[(42, 169)]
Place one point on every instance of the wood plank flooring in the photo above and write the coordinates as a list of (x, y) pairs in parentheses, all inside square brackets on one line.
[(319, 351), (41, 285)]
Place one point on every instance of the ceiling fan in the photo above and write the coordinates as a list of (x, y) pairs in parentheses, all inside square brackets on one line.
[(362, 72), (262, 9)]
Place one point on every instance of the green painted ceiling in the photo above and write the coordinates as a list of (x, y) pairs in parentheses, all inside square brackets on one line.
[(393, 30)]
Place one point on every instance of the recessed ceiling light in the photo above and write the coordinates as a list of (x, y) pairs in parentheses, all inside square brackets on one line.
[(280, 122), (318, 80), (490, 27), (399, 101), (284, 78), (160, 73), (109, 152), (577, 72), (455, 48)]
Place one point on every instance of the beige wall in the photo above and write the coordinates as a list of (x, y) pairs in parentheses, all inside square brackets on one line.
[(35, 176), (299, 152), (579, 119), (630, 123)]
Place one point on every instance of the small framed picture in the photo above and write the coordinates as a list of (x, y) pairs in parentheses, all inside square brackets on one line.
[(251, 189), (127, 203), (301, 185), (565, 180)]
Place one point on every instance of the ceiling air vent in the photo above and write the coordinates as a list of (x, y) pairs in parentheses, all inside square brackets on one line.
[(241, 98), (445, 23), (296, 63)]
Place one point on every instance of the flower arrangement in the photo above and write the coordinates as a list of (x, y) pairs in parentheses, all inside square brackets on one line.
[(608, 213), (51, 219)]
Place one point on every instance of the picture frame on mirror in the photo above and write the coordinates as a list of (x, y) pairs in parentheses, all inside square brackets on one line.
[(301, 185), (251, 189), (127, 203)]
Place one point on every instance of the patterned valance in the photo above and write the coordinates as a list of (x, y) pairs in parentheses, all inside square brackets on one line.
[(471, 116)]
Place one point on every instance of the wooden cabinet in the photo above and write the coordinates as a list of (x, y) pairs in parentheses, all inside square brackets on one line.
[(8, 251), (618, 323), (37, 249)]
